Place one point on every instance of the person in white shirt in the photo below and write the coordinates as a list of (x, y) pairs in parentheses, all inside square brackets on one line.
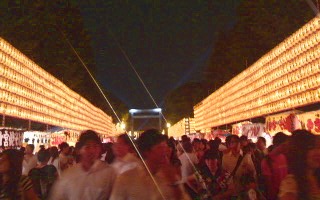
[(90, 178), (29, 161), (188, 160), (230, 159), (137, 183), (123, 150)]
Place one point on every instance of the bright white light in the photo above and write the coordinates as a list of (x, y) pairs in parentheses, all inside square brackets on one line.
[(133, 111), (168, 125), (123, 126), (157, 110)]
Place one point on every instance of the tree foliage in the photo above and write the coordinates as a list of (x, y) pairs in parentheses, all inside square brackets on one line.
[(179, 102), (260, 26), (41, 30)]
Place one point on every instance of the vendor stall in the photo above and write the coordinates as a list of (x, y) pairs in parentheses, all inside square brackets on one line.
[(10, 137), (284, 122), (37, 138), (69, 136)]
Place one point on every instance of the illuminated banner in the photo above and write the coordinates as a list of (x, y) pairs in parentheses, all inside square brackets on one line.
[(253, 130), (284, 122), (10, 137), (248, 129), (310, 121)]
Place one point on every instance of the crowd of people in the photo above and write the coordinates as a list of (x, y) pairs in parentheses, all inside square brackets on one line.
[(157, 167)]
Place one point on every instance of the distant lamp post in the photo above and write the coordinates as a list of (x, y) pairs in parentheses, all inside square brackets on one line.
[(123, 126)]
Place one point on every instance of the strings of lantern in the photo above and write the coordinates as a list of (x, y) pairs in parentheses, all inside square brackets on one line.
[(286, 77), (29, 92)]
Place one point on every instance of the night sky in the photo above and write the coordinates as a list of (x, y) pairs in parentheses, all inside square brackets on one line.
[(167, 43)]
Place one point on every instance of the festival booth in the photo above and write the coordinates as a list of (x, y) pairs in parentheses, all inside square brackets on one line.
[(252, 131), (284, 122), (11, 137), (310, 121), (65, 135), (222, 134), (36, 138)]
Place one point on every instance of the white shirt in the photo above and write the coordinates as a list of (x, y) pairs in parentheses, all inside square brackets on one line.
[(136, 184), (28, 164), (128, 162), (229, 162), (77, 184), (56, 163), (187, 168)]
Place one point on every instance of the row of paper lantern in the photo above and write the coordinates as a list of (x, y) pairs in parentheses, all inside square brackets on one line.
[(22, 79), (28, 94), (292, 75)]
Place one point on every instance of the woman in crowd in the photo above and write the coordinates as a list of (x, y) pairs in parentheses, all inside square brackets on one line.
[(43, 175), (109, 153), (303, 161), (64, 156), (14, 185), (125, 158), (274, 167), (54, 158)]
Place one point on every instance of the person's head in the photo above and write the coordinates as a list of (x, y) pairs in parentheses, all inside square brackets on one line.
[(213, 145), (89, 147), (303, 157), (11, 162), (42, 147), (122, 146), (185, 138), (187, 147), (153, 146), (11, 166), (43, 156), (29, 149), (64, 148), (110, 153), (196, 144), (53, 152), (233, 142), (203, 144), (211, 159), (279, 138), (243, 141), (261, 143)]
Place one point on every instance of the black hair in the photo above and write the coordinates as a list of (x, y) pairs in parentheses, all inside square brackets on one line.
[(279, 138), (88, 135), (149, 138), (211, 154), (243, 138), (300, 144), (43, 155), (31, 146), (110, 154), (125, 138), (187, 146), (185, 138), (15, 158), (229, 137), (63, 145), (263, 140), (54, 153)]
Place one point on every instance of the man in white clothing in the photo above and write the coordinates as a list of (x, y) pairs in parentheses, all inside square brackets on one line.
[(29, 161), (137, 183), (123, 150), (90, 178), (231, 157)]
